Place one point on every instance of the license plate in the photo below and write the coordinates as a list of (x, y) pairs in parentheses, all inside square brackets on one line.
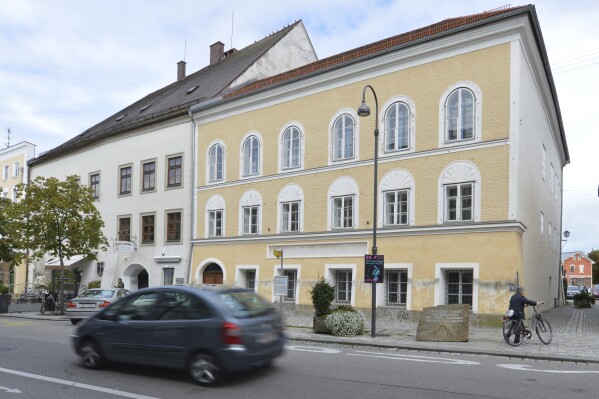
[(87, 305), (266, 338)]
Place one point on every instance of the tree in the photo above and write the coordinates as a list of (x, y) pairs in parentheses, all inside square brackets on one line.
[(594, 256), (7, 252), (58, 218)]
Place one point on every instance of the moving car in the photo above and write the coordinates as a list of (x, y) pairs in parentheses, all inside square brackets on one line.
[(207, 331), (88, 302), (572, 290)]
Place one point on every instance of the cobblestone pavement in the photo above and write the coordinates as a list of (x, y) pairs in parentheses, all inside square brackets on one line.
[(575, 336)]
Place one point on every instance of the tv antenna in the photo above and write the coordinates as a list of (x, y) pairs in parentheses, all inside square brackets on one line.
[(8, 139), (232, 16)]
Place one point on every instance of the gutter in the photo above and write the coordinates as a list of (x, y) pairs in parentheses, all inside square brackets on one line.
[(192, 199)]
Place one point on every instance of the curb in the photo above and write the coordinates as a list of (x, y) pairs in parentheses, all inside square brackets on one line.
[(19, 316), (529, 356)]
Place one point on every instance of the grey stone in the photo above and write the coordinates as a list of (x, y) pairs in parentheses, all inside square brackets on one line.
[(444, 323), (318, 325)]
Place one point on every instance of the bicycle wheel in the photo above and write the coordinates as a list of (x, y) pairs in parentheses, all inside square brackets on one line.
[(512, 332), (543, 329), (43, 308)]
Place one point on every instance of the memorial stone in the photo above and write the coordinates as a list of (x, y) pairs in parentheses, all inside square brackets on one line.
[(444, 323)]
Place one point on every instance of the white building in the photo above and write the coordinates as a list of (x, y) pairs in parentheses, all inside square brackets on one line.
[(140, 162)]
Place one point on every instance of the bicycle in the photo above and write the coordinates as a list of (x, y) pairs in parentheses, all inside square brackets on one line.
[(51, 305), (515, 328)]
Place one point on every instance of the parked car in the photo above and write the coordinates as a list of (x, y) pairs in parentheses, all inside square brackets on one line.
[(572, 290), (207, 331), (90, 301), (595, 291)]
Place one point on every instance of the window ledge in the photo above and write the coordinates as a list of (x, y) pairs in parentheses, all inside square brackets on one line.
[(167, 259)]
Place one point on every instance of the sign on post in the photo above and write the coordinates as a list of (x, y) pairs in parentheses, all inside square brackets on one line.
[(281, 285), (374, 268)]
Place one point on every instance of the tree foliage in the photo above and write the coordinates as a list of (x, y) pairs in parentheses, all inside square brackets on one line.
[(7, 252), (58, 218)]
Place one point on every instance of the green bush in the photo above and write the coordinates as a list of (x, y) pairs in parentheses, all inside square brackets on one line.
[(583, 300), (344, 308), (94, 284), (346, 323), (322, 294), (3, 289)]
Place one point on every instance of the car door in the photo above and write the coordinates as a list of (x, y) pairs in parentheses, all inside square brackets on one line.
[(183, 322), (126, 336)]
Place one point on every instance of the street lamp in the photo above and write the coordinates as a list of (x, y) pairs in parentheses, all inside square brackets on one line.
[(566, 235), (363, 111)]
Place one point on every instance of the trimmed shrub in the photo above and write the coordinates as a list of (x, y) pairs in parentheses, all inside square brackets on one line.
[(583, 300), (344, 308), (322, 296), (346, 323), (3, 289)]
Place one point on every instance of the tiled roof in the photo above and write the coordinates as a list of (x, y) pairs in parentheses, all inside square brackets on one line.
[(374, 48), (174, 99), (566, 255)]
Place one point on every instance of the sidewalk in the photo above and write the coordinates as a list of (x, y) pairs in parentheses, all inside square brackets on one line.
[(575, 336)]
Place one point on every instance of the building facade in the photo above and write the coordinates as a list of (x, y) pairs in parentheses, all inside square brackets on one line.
[(140, 164), (578, 269), (471, 151), (14, 170)]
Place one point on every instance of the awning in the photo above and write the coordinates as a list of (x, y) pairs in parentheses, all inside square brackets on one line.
[(54, 264)]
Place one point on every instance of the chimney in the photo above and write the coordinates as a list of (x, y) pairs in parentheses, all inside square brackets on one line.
[(217, 51), (181, 70)]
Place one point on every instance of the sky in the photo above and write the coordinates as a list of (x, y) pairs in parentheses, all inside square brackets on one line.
[(66, 65)]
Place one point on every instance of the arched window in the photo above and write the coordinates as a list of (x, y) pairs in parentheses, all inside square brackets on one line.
[(216, 163), (343, 138), (291, 148), (396, 198), (343, 204), (215, 216), (251, 156), (459, 193), (459, 115), (397, 127), (291, 209), (250, 215)]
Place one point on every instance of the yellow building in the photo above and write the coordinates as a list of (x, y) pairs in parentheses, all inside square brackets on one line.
[(13, 164), (470, 156)]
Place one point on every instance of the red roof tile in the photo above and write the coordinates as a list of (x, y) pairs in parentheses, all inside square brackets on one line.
[(372, 48)]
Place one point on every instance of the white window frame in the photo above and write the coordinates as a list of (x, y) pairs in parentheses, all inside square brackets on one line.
[(345, 199), (241, 275), (458, 202), (5, 170), (343, 186), (381, 299), (212, 227), (15, 169), (253, 211), (397, 213), (215, 203), (477, 125), (543, 161), (550, 235), (440, 282), (352, 114), (143, 175), (119, 181), (282, 150), (342, 118), (552, 178), (394, 180), (250, 198), (242, 157), (399, 283), (209, 179), (14, 194), (290, 193), (331, 277), (457, 173), (542, 226)]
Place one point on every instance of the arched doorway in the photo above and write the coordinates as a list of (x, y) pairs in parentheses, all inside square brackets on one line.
[(142, 279), (135, 277), (213, 274)]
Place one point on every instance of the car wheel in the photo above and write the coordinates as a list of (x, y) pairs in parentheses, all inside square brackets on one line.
[(75, 321), (91, 357), (204, 369)]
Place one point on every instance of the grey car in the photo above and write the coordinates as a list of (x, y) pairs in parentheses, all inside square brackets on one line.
[(89, 302), (205, 331), (571, 291)]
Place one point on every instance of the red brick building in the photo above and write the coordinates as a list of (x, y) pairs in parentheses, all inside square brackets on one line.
[(577, 268)]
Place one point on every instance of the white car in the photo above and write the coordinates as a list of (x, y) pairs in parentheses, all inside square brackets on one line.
[(88, 302)]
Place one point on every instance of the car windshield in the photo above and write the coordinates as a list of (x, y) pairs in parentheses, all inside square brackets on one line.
[(573, 289), (96, 294), (245, 304)]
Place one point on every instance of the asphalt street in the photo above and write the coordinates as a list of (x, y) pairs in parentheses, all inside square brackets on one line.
[(37, 361)]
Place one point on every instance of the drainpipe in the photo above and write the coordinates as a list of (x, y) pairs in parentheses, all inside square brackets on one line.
[(560, 290), (192, 210)]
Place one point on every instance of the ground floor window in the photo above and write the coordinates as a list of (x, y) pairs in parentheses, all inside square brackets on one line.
[(291, 284), (250, 279), (343, 285), (459, 287), (396, 287), (169, 273)]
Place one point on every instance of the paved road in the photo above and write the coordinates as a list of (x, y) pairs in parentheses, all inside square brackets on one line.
[(36, 359)]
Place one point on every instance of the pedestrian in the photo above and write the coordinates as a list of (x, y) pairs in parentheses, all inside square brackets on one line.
[(120, 284), (517, 302)]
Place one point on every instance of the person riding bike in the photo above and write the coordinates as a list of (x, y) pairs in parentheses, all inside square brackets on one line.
[(517, 302)]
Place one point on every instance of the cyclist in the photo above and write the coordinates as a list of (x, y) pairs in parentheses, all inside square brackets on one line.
[(517, 302)]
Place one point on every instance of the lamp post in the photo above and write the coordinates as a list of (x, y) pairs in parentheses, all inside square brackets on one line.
[(363, 111)]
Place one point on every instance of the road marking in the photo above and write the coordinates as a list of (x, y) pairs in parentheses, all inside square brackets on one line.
[(524, 367), (412, 358), (311, 349), (8, 390), (75, 384), (17, 323)]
